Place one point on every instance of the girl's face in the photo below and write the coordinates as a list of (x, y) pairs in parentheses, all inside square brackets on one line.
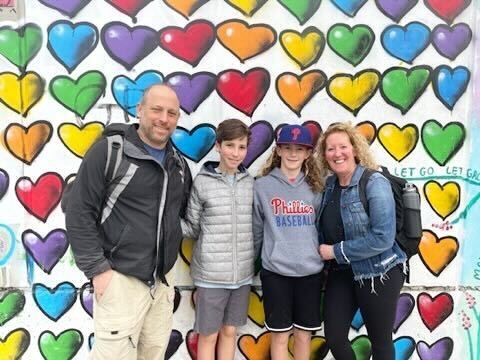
[(340, 154), (292, 156)]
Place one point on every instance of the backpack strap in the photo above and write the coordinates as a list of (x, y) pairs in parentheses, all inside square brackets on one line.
[(181, 161), (114, 156), (362, 187)]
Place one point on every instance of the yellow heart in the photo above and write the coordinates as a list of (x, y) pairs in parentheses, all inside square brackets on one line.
[(186, 250), (399, 142), (255, 309), (305, 48), (318, 347), (21, 93), (437, 253), (79, 139), (185, 7), (15, 344), (246, 7), (443, 199), (353, 92)]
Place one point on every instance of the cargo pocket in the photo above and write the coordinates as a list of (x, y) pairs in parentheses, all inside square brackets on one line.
[(116, 339)]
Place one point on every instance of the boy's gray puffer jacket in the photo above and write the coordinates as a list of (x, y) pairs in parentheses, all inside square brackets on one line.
[(219, 217)]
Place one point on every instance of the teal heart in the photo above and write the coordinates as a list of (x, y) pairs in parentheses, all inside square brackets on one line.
[(351, 44), (401, 87), (11, 303), (79, 95), (62, 347), (303, 10), (442, 143), (20, 45)]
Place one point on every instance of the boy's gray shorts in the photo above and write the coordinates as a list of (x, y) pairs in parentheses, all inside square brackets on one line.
[(217, 307)]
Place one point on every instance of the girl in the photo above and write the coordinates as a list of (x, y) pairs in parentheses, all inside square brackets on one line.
[(286, 200)]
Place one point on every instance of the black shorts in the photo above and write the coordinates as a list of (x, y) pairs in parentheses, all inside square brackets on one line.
[(291, 301)]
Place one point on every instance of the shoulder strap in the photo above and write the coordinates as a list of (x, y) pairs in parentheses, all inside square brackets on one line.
[(115, 148), (179, 160), (362, 187)]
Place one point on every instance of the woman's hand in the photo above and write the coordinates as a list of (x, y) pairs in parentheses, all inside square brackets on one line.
[(326, 252)]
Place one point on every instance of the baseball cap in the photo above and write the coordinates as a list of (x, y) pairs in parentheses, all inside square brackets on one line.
[(294, 134)]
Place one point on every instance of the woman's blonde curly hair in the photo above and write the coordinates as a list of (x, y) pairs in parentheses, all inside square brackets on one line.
[(363, 155), (309, 168)]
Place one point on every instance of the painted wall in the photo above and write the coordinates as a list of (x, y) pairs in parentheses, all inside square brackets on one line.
[(404, 71)]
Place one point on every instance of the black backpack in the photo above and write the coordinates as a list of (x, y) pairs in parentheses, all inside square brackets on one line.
[(408, 244)]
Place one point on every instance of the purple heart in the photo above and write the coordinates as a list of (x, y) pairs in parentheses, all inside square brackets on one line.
[(86, 298), (4, 181), (260, 140), (176, 339), (46, 251), (405, 306), (441, 349), (192, 90), (66, 7), (128, 45), (395, 9), (451, 41)]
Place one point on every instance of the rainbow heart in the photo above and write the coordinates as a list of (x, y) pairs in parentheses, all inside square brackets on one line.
[(186, 8), (443, 199), (12, 303), (247, 7), (78, 139), (15, 343), (399, 142), (353, 91), (194, 144), (351, 43), (436, 253), (434, 310), (26, 143), (442, 143), (304, 48), (80, 95), (21, 93), (20, 46)]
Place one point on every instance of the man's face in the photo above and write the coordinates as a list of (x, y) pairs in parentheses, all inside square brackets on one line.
[(158, 116)]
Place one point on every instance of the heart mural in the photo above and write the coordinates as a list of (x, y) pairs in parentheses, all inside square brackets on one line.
[(54, 303), (255, 347), (399, 142), (21, 93), (69, 8), (405, 305), (351, 43), (440, 349), (303, 10), (447, 10), (78, 139), (15, 343), (436, 253), (395, 9), (450, 84), (442, 142), (406, 42), (194, 144), (12, 303), (4, 182), (63, 346), (86, 298), (349, 7), (443, 199), (434, 310), (21, 45), (451, 41), (186, 8), (47, 251), (129, 7), (304, 48), (246, 7), (260, 140)]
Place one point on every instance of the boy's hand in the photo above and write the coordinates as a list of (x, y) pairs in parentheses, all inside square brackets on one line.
[(326, 252)]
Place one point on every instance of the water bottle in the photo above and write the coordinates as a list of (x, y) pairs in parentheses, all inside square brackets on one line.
[(412, 221)]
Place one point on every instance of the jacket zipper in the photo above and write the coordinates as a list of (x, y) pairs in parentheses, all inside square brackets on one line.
[(159, 223), (234, 224)]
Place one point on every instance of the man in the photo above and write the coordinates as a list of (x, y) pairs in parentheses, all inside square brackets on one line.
[(125, 235)]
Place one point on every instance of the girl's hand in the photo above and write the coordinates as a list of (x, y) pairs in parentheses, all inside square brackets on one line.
[(326, 252)]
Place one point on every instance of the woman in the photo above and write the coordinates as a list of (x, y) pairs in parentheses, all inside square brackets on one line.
[(365, 264)]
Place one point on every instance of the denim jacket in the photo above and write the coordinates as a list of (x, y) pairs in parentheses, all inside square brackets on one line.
[(369, 247)]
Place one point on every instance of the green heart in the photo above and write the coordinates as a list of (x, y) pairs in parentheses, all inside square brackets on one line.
[(301, 9), (11, 304), (362, 347), (20, 45), (401, 87), (351, 44), (441, 143), (79, 96), (61, 347)]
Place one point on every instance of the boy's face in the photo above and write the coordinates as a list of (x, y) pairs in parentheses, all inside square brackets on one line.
[(232, 153)]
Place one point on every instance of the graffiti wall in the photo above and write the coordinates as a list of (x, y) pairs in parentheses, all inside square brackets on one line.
[(403, 71)]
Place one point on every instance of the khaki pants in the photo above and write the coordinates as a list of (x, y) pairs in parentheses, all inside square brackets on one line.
[(132, 321)]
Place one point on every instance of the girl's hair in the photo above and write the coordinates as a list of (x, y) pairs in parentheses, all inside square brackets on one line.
[(309, 168), (363, 155)]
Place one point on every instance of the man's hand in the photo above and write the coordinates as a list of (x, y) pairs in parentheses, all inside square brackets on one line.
[(100, 283), (326, 252)]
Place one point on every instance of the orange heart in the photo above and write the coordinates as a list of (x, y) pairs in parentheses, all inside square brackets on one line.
[(245, 41), (26, 143), (255, 348), (185, 7), (368, 130), (296, 91), (437, 253)]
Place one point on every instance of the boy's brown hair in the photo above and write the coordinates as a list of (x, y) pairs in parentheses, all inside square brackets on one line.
[(231, 129)]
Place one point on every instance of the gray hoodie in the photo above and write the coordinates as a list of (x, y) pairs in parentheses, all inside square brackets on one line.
[(284, 216)]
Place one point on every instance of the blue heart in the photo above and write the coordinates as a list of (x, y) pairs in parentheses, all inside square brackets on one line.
[(127, 93), (406, 42), (404, 347), (91, 341), (196, 143), (450, 84), (349, 7), (54, 303), (357, 321), (71, 43)]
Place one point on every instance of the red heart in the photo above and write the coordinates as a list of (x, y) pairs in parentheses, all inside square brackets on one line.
[(189, 44), (41, 198), (243, 92), (192, 344), (447, 9), (433, 311), (314, 128), (129, 7)]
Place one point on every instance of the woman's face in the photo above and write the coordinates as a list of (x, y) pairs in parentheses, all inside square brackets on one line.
[(340, 154)]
